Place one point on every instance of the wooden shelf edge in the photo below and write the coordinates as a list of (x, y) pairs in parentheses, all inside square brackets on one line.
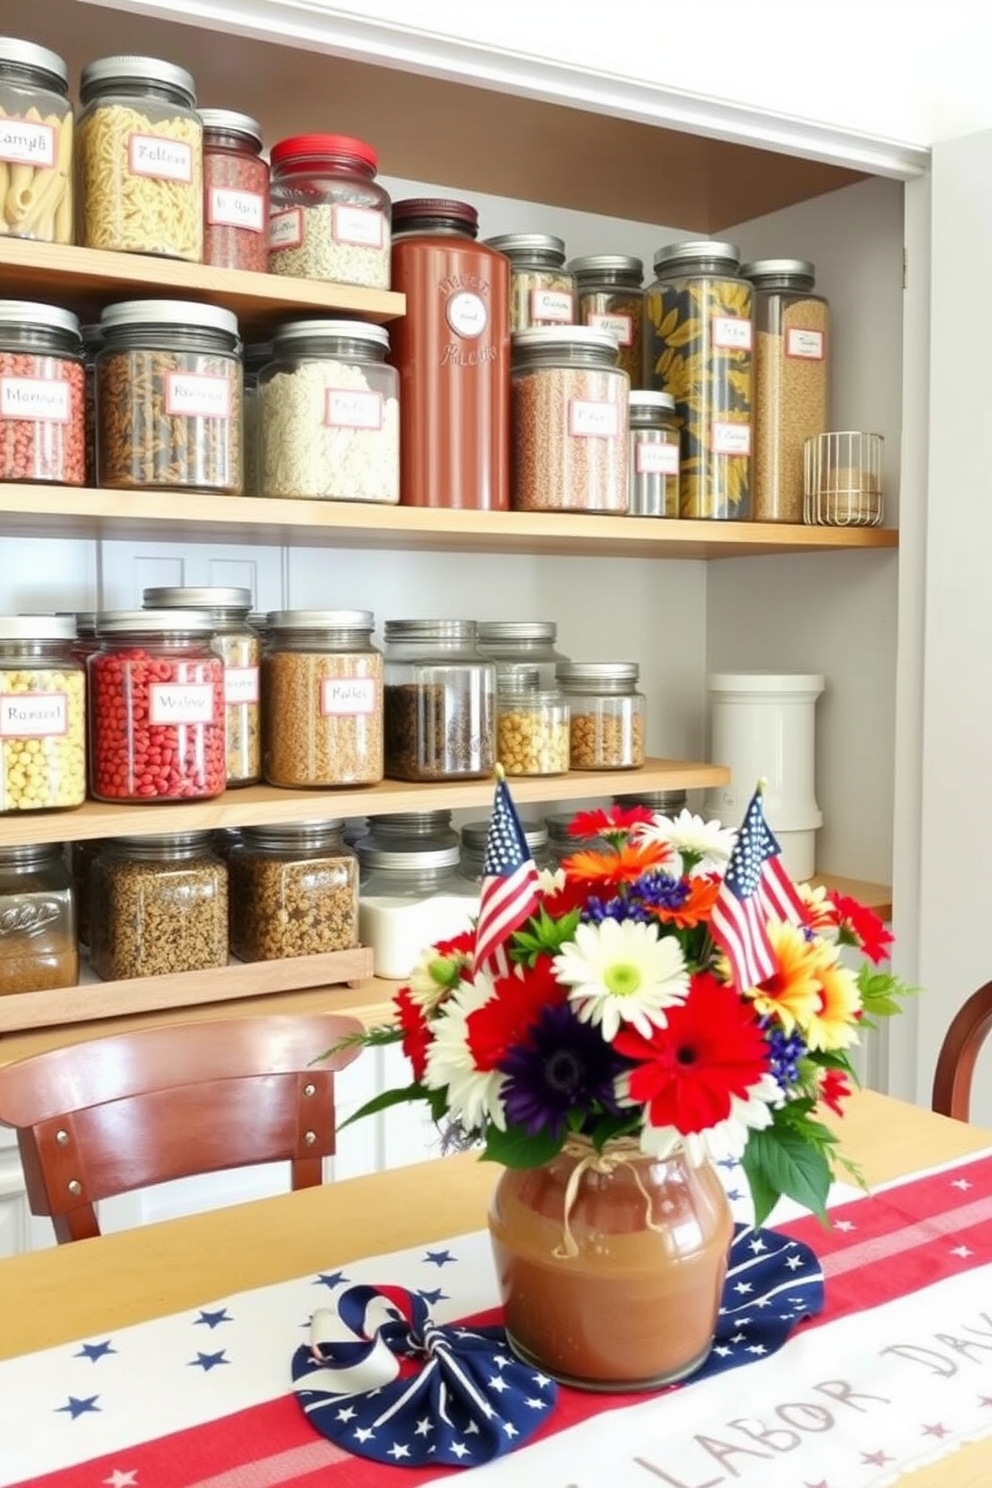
[(875, 896)]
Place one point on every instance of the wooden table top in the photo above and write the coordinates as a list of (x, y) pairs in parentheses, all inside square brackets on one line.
[(57, 1295)]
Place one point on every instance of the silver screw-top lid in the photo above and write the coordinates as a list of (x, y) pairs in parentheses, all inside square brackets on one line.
[(180, 313), (524, 244), (309, 833), (800, 270), (593, 264), (182, 597), (694, 250), (149, 622), (166, 844), (565, 336), (135, 69), (29, 54), (475, 835), (330, 330), (37, 627), (519, 679), (577, 672), (228, 121), (496, 632), (412, 824), (430, 630), (664, 401), (320, 620), (667, 803), (410, 859), (33, 312)]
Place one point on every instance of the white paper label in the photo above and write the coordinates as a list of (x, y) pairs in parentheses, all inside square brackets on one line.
[(806, 345), (34, 398), (180, 702), (656, 459), (286, 229), (732, 333), (620, 326), (244, 209), (197, 395), (593, 418), (27, 143), (241, 684), (33, 715), (350, 408), (347, 695), (731, 439), (554, 305), (467, 314), (164, 159), (359, 225)]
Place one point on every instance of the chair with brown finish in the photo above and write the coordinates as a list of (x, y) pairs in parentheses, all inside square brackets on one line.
[(962, 1043), (111, 1115)]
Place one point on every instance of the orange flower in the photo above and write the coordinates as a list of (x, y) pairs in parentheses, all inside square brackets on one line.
[(793, 993), (607, 870), (697, 907)]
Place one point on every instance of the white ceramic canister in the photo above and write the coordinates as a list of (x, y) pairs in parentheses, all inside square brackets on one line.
[(762, 726)]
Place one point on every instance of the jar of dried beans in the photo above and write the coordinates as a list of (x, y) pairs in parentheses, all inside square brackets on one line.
[(542, 290), (440, 702), (328, 414), (240, 649), (653, 457), (698, 329), (513, 644), (42, 421), (38, 948), (532, 735), (158, 906), (294, 891), (168, 398), (610, 293), (329, 217), (139, 159), (790, 382), (569, 421), (156, 694), (35, 143), (322, 705), (235, 192), (412, 893), (607, 714), (42, 715)]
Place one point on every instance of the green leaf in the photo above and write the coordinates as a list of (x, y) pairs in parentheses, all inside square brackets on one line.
[(781, 1161), (516, 1148), (388, 1098)]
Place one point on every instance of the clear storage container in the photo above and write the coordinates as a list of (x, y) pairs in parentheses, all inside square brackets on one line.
[(235, 192), (139, 158), (532, 731), (562, 844), (610, 294), (257, 354), (606, 726), (329, 217), (521, 643), (322, 699), (653, 456), (440, 702), (42, 715), (412, 895), (294, 891), (92, 341), (42, 394), (329, 414), (38, 947), (81, 858), (36, 143), (698, 347), (406, 828), (475, 837), (661, 802), (791, 346), (542, 290), (158, 906), (569, 422)]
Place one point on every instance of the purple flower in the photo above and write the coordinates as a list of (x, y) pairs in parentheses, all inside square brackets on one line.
[(566, 1066)]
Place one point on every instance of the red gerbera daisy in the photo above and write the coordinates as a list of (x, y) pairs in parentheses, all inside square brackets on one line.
[(834, 1088), (861, 926), (504, 1021), (613, 818), (416, 1032)]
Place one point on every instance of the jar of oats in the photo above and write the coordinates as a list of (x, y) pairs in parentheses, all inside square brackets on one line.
[(440, 702), (542, 290), (322, 699), (532, 731), (610, 293), (607, 714), (38, 947), (42, 715), (294, 891), (328, 217), (158, 906), (240, 649)]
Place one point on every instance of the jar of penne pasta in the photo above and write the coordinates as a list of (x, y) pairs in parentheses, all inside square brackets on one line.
[(35, 143), (139, 159)]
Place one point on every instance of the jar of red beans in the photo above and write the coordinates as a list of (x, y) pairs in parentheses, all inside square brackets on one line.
[(235, 192), (156, 695), (42, 430)]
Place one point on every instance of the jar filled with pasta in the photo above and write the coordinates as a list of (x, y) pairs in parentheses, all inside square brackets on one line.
[(139, 159), (36, 127), (42, 418), (168, 398), (235, 192), (42, 715), (610, 291), (542, 290), (329, 217)]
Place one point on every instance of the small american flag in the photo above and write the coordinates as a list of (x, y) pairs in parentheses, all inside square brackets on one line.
[(509, 883), (755, 889)]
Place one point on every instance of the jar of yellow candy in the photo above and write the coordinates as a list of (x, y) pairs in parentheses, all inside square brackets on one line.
[(42, 715)]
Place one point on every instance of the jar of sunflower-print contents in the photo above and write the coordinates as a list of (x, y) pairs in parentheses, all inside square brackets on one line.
[(698, 339)]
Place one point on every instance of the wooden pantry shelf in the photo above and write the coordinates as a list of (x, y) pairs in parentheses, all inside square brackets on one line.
[(874, 896), (46, 511)]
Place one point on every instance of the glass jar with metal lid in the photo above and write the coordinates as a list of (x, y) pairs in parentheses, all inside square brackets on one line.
[(430, 828), (92, 341), (257, 354), (36, 164), (532, 734), (661, 802), (139, 156), (235, 192), (240, 650), (791, 325), (568, 421), (607, 714), (609, 290), (328, 414), (516, 643), (412, 895), (156, 707), (322, 704), (42, 394), (329, 217), (475, 838), (542, 290), (698, 334), (653, 458), (42, 715), (168, 397), (440, 702), (38, 947), (158, 906), (562, 843), (294, 891)]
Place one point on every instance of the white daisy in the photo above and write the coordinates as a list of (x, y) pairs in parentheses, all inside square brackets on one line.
[(622, 972), (726, 1138), (550, 880), (430, 979), (706, 843), (473, 1094)]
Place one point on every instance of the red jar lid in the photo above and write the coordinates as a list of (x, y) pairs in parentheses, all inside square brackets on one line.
[(333, 145)]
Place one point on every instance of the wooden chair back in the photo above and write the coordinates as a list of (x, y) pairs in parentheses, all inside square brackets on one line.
[(110, 1115), (959, 1051)]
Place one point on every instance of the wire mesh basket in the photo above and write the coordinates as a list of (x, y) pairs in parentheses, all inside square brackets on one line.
[(842, 479)]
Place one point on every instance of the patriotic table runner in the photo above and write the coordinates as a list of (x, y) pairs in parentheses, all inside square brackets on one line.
[(896, 1371)]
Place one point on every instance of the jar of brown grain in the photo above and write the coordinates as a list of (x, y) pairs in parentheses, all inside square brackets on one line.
[(322, 699), (542, 290), (607, 714), (37, 919), (440, 702), (609, 288), (294, 891)]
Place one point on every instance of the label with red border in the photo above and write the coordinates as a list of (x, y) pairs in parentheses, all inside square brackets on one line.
[(351, 408), (162, 159), (180, 702), (552, 305), (37, 398), (805, 346), (286, 229), (227, 208), (731, 333), (241, 684), (33, 715), (730, 439), (347, 695), (27, 142), (593, 418), (620, 326), (197, 395), (656, 459), (361, 226)]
